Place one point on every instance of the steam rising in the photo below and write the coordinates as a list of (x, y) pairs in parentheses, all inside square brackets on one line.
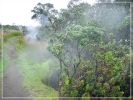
[(109, 15), (36, 57), (32, 33)]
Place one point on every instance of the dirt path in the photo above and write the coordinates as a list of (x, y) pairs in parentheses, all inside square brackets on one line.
[(12, 80)]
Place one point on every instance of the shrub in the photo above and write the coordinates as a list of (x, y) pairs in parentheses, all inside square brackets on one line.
[(7, 36)]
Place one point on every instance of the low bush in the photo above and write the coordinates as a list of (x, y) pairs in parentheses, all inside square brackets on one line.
[(20, 43), (7, 36)]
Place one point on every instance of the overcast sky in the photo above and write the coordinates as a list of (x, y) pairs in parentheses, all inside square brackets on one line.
[(19, 11)]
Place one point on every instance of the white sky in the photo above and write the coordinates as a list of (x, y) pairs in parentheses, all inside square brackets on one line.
[(19, 11)]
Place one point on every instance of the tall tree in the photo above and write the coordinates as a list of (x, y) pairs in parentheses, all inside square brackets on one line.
[(45, 13)]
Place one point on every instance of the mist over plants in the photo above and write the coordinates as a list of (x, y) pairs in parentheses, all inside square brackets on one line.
[(82, 51), (92, 45)]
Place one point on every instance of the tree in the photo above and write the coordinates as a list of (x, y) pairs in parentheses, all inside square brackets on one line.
[(67, 48), (88, 61), (92, 47), (125, 29), (46, 14)]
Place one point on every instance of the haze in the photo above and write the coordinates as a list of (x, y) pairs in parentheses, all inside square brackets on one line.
[(18, 12)]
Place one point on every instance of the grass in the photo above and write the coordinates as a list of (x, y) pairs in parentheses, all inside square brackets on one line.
[(20, 43), (33, 73), (3, 61), (12, 37), (4, 64), (7, 39), (7, 36)]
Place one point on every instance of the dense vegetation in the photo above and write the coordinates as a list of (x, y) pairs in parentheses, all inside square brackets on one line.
[(7, 33), (89, 50), (17, 52), (92, 45)]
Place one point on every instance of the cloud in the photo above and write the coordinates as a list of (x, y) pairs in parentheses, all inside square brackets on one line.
[(17, 11)]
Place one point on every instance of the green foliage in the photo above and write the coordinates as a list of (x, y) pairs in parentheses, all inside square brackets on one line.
[(56, 49), (20, 43), (10, 27), (15, 35), (7, 36), (33, 73), (3, 64), (125, 28), (93, 49), (108, 65)]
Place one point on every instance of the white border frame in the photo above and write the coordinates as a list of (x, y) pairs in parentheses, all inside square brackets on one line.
[(131, 30)]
